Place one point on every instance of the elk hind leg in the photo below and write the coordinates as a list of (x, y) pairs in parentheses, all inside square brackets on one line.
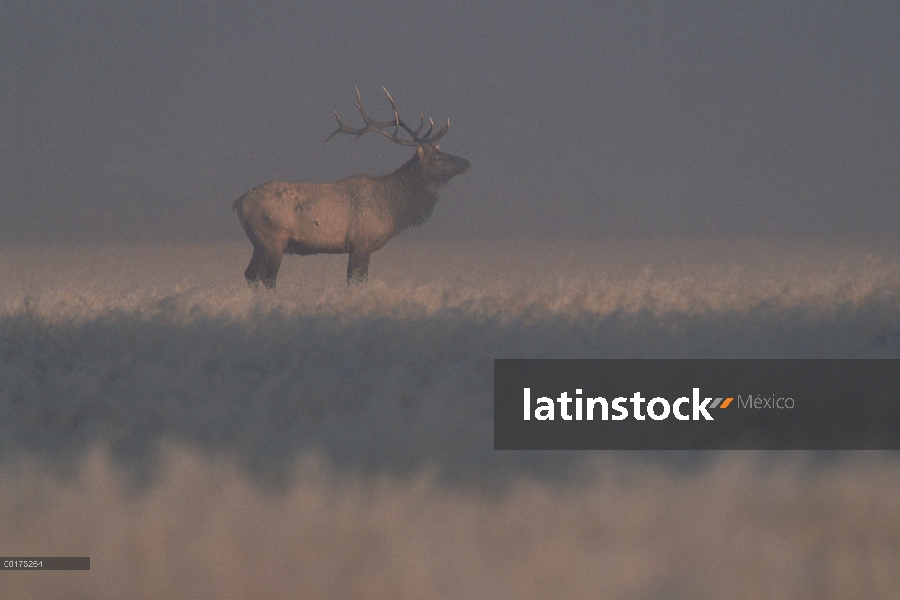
[(358, 267), (263, 267), (253, 273), (270, 269)]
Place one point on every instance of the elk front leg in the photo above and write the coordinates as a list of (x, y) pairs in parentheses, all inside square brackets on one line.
[(358, 267), (270, 269)]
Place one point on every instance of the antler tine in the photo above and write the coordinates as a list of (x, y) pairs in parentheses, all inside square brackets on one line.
[(400, 123), (366, 118), (445, 127), (342, 128), (415, 134), (421, 123), (390, 98), (430, 128)]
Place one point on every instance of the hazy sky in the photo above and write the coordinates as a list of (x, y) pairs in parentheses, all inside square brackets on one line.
[(143, 121)]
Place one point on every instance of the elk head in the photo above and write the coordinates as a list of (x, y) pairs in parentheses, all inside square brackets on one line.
[(440, 166), (436, 165)]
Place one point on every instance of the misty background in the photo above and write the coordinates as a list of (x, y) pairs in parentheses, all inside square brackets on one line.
[(124, 122)]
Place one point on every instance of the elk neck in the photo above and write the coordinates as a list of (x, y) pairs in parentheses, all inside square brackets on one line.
[(409, 194)]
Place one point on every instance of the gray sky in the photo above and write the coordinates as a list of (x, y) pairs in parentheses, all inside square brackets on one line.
[(144, 121)]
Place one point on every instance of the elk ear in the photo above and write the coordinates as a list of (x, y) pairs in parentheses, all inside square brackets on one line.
[(421, 152), (437, 146)]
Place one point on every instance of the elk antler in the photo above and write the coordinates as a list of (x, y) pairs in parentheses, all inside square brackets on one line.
[(380, 127)]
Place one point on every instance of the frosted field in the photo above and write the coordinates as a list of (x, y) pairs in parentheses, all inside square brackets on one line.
[(201, 440)]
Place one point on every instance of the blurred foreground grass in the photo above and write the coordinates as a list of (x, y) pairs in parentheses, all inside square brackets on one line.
[(747, 526)]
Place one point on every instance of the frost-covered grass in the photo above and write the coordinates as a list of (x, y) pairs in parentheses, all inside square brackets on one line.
[(333, 442), (517, 282)]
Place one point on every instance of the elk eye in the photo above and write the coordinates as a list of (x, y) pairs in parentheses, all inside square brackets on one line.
[(435, 158)]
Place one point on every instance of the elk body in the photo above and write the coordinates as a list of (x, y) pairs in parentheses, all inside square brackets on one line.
[(356, 215)]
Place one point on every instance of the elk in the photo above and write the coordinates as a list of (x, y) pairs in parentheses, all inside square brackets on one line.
[(356, 215)]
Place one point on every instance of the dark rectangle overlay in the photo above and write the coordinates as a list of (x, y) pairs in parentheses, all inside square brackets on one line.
[(45, 563), (775, 404)]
